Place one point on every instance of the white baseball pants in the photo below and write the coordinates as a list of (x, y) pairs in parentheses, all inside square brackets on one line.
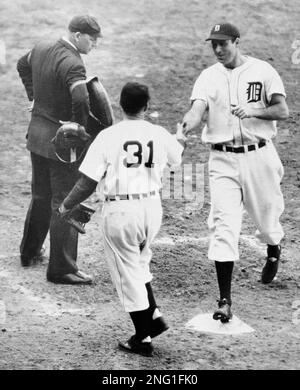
[(248, 180), (129, 227)]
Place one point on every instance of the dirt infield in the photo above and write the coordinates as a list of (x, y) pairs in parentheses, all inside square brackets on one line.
[(160, 43)]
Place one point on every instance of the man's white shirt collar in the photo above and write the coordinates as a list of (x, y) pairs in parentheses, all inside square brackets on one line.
[(70, 43)]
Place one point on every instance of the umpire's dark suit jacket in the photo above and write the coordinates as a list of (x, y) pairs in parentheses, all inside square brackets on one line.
[(47, 73)]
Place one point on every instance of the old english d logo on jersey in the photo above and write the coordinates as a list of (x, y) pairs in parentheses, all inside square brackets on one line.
[(254, 92)]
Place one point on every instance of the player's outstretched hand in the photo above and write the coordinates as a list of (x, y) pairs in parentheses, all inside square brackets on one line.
[(30, 108), (180, 133)]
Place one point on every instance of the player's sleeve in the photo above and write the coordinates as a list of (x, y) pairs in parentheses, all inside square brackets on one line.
[(199, 89), (173, 148), (273, 83), (83, 188), (94, 164)]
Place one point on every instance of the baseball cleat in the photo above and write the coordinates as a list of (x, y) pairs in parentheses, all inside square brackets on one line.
[(271, 267), (158, 326), (223, 313), (135, 346)]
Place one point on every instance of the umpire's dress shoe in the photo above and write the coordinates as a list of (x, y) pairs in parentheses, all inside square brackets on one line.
[(28, 261), (78, 277)]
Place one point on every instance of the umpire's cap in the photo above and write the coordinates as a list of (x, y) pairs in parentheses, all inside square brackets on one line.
[(86, 25), (223, 31)]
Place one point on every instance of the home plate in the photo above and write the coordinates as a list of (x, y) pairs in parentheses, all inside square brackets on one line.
[(206, 324)]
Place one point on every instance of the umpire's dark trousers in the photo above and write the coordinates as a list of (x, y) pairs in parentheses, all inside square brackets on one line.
[(51, 182)]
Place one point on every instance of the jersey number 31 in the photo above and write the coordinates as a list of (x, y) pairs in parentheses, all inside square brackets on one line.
[(138, 154)]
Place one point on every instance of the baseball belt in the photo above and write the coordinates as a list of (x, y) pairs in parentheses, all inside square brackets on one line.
[(238, 149), (110, 198)]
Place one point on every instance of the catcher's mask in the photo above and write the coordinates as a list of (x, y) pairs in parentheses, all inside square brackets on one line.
[(71, 140), (101, 112)]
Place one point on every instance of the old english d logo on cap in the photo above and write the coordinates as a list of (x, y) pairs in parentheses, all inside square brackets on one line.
[(223, 31)]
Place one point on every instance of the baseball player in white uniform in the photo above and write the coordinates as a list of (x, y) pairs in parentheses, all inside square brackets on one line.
[(130, 157), (243, 97)]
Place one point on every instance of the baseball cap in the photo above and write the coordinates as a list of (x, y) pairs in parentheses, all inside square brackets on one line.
[(223, 31), (86, 25)]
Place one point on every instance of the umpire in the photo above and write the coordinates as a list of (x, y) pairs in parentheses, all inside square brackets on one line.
[(52, 74)]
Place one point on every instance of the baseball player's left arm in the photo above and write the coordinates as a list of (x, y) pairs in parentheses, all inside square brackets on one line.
[(72, 211), (84, 188), (92, 169), (276, 110)]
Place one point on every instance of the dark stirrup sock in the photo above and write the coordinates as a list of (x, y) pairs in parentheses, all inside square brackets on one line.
[(141, 323), (273, 251), (224, 276)]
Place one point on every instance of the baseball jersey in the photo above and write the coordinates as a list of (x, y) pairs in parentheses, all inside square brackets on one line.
[(251, 84), (133, 154)]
